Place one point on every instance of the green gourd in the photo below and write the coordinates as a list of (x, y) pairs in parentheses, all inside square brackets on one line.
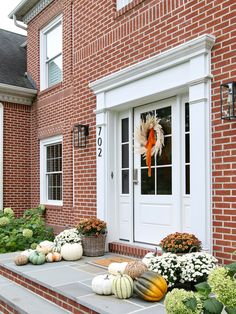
[(122, 286), (37, 258)]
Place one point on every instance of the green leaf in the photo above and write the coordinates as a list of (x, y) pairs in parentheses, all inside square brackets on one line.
[(230, 310), (212, 306), (203, 289), (190, 303), (231, 269)]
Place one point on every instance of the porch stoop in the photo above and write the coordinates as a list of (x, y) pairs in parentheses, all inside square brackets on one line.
[(63, 287), (16, 299), (130, 250)]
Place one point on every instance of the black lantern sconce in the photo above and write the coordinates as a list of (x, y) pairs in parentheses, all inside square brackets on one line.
[(81, 133), (228, 100)]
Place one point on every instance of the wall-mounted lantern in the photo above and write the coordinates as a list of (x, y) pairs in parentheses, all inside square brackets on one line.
[(228, 100), (81, 133)]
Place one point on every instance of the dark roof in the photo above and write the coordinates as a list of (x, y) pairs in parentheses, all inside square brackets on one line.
[(13, 60)]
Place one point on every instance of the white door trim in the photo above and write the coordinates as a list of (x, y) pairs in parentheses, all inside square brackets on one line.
[(182, 69), (1, 156)]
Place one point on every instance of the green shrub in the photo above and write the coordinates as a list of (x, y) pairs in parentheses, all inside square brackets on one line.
[(18, 234)]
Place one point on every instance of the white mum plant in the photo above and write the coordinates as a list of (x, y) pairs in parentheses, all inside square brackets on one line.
[(188, 268), (67, 236)]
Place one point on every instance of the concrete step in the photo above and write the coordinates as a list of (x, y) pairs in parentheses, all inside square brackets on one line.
[(25, 301)]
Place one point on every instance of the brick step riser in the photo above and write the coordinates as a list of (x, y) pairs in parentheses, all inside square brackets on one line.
[(48, 294)]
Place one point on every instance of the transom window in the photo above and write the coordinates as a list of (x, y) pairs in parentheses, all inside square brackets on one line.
[(51, 171), (51, 54)]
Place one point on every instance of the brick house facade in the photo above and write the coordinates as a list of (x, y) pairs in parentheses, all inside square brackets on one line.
[(161, 53)]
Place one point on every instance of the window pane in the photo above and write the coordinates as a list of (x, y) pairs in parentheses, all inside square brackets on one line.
[(125, 181), (165, 115), (187, 179), (147, 183), (54, 42), (164, 181), (55, 186), (187, 152), (55, 71), (125, 130), (125, 156), (165, 158)]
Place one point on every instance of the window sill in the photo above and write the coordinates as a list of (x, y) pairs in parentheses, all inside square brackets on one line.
[(49, 89), (127, 8), (53, 207)]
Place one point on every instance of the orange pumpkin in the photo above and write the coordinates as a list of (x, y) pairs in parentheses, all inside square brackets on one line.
[(150, 286), (53, 257)]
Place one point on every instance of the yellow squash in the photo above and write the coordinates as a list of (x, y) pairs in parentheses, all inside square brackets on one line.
[(150, 286)]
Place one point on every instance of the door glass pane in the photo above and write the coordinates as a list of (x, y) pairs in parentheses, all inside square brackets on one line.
[(164, 181), (125, 130), (125, 156), (165, 115), (187, 179), (125, 181), (187, 117), (187, 152), (143, 161), (147, 183), (166, 156)]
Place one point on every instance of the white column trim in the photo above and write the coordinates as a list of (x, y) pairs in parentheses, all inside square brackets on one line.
[(1, 156)]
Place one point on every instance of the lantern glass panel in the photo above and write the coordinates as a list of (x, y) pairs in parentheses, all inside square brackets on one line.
[(228, 93)]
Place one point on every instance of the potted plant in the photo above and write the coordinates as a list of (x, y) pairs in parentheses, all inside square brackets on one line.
[(180, 243), (93, 233), (68, 243)]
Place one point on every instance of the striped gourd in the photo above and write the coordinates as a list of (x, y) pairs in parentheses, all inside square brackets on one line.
[(123, 286)]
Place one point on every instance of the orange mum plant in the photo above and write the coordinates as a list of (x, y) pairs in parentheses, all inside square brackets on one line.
[(180, 243), (92, 226)]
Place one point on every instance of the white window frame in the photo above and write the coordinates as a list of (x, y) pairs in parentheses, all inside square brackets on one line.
[(43, 167), (122, 3), (43, 61)]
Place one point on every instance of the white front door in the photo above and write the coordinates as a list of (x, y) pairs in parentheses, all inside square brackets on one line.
[(160, 200)]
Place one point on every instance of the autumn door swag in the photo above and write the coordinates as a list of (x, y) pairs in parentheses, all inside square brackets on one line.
[(150, 139)]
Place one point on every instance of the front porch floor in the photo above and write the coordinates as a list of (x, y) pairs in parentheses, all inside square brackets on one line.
[(70, 281)]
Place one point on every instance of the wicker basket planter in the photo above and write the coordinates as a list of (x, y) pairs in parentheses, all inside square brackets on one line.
[(94, 245)]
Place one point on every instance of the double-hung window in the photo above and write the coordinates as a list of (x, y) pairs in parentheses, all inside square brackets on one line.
[(51, 54), (122, 3), (51, 171)]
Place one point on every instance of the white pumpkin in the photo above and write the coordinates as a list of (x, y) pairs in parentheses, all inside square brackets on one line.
[(71, 251), (42, 249), (102, 284), (123, 286), (149, 257), (116, 268), (47, 244), (27, 252)]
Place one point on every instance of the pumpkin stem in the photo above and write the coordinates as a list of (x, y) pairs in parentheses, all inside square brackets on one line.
[(107, 277), (155, 252)]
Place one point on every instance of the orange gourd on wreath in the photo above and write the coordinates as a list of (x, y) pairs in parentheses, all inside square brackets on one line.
[(150, 286)]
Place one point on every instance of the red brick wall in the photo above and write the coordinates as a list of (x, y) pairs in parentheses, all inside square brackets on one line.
[(102, 41), (16, 157)]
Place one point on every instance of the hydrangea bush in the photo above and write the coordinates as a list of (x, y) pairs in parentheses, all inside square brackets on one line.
[(175, 302), (18, 234), (223, 286)]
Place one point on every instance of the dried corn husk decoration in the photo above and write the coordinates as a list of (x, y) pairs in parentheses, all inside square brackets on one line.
[(150, 138)]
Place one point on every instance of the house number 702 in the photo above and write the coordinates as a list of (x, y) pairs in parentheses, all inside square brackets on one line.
[(99, 141)]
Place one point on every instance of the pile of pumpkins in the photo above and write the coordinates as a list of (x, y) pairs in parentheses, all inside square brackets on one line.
[(47, 251), (124, 279)]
